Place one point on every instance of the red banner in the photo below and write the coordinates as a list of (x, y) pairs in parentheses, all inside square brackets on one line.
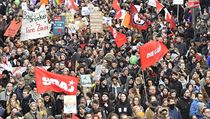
[(47, 81), (151, 52), (193, 3), (13, 28)]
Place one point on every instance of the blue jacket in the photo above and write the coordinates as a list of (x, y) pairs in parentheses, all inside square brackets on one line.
[(194, 108), (175, 113)]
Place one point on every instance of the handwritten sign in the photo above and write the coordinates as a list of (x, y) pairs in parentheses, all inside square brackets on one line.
[(69, 18), (85, 80), (34, 24), (13, 28), (59, 25), (96, 22)]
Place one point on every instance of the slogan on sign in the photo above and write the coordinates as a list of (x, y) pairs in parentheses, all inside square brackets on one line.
[(85, 80), (13, 28), (34, 24), (96, 22), (59, 25)]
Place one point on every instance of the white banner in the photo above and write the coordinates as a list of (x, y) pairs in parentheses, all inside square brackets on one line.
[(178, 2), (34, 24), (152, 3)]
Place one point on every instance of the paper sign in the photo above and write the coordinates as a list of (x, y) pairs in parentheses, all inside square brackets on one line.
[(96, 22), (70, 104), (97, 72), (178, 2), (59, 25), (34, 24), (69, 18), (13, 28), (85, 11), (107, 21), (152, 3), (24, 6), (85, 80)]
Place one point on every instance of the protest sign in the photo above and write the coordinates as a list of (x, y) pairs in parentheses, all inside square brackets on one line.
[(97, 72), (24, 6), (13, 28), (70, 104), (96, 22), (85, 80), (178, 2), (69, 18), (107, 21), (152, 3), (85, 11), (44, 2), (34, 24), (59, 25)]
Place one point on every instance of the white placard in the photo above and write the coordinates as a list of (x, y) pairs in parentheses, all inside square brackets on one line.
[(85, 80), (152, 3), (34, 24), (178, 2), (70, 104)]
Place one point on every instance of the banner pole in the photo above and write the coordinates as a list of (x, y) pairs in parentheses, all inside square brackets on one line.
[(178, 14), (145, 88)]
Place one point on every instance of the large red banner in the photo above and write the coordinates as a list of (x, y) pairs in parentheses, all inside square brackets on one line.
[(47, 81), (151, 52)]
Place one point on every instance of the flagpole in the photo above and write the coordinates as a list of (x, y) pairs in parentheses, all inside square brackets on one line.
[(145, 88), (178, 14)]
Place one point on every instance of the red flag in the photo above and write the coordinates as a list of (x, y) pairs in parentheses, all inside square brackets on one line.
[(116, 7), (120, 38), (151, 52), (170, 18), (159, 6), (47, 81), (137, 20), (70, 4), (74, 117)]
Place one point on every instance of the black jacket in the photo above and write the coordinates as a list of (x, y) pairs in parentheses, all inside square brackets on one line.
[(123, 107), (176, 85), (25, 104), (184, 106)]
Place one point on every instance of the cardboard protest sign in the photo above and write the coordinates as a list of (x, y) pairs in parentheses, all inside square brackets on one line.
[(178, 2), (34, 24), (85, 80), (59, 25), (96, 22), (70, 104), (69, 18), (13, 28)]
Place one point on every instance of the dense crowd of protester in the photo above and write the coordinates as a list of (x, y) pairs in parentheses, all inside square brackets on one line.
[(176, 87)]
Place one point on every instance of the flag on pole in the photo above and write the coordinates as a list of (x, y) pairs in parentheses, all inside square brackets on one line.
[(117, 8), (58, 2), (47, 81), (44, 2), (170, 18), (137, 20), (120, 38), (126, 20), (159, 6), (70, 4), (151, 52)]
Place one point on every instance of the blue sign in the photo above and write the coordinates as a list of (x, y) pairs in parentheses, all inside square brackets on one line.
[(59, 25)]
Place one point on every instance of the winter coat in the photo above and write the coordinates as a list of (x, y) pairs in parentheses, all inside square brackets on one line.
[(184, 106), (175, 113), (123, 107), (25, 104)]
